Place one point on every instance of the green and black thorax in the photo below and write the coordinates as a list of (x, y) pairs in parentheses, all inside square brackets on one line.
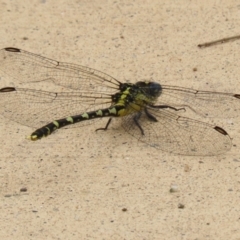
[(135, 97)]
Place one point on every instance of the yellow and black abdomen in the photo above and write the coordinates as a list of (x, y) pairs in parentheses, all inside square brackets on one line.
[(57, 124)]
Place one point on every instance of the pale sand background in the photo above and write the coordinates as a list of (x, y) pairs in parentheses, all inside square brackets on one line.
[(78, 181)]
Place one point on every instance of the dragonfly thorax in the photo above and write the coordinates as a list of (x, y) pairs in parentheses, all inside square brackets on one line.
[(126, 94)]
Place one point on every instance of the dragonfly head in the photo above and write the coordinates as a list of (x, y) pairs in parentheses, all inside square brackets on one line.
[(153, 89)]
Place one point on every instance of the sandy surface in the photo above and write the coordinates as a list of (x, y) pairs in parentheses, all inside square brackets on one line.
[(86, 185)]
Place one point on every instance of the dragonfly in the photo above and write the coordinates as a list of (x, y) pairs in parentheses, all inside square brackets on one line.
[(153, 113)]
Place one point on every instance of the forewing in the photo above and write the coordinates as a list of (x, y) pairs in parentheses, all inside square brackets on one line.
[(204, 103), (28, 67)]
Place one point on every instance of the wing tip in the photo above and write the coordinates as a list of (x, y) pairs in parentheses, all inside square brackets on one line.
[(12, 49), (221, 130), (8, 89)]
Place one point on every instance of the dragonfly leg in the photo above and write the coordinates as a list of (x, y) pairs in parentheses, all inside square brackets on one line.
[(150, 116), (136, 120), (169, 107), (153, 118), (106, 127)]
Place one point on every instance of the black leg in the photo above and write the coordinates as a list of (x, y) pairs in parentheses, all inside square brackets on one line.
[(150, 116), (166, 106), (136, 118), (106, 127)]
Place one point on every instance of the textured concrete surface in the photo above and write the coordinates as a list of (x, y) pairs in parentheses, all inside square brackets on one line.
[(79, 184)]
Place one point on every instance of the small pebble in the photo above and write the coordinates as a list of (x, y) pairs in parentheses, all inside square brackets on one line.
[(173, 188), (24, 189), (180, 205)]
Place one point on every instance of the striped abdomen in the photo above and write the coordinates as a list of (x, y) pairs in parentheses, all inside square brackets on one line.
[(51, 127)]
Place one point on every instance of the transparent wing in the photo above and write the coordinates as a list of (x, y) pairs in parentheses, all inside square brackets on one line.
[(178, 135), (36, 108), (207, 104), (29, 67)]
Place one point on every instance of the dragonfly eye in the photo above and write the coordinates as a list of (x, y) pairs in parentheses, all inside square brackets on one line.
[(155, 89)]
